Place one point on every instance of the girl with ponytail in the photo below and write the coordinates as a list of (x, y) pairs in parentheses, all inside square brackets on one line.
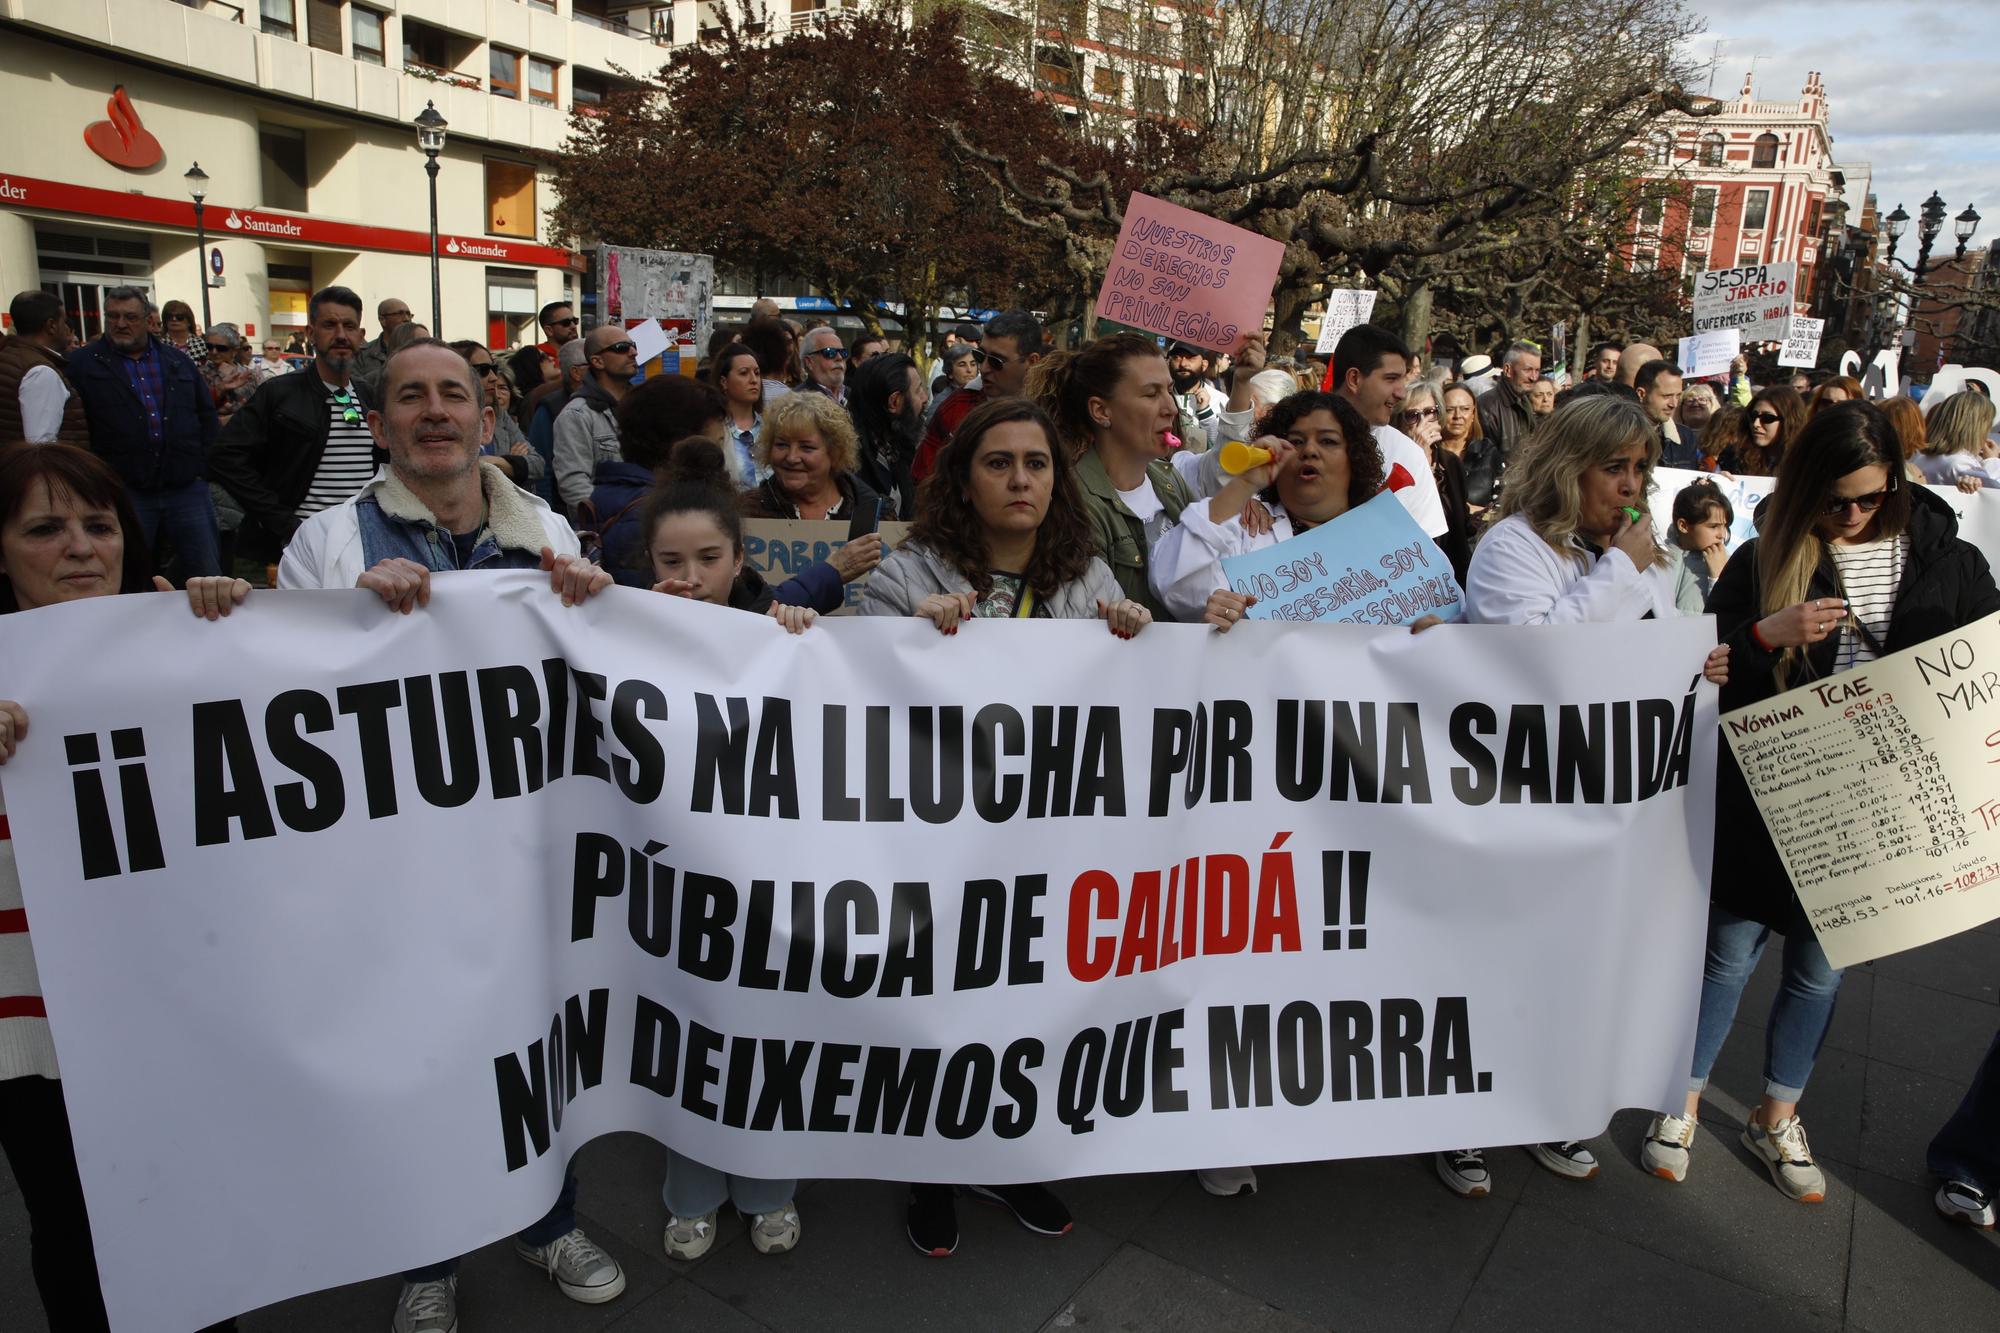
[(694, 537), (1851, 563)]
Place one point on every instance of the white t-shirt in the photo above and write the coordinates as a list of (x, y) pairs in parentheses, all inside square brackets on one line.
[(1869, 575), (1144, 502), (1415, 485)]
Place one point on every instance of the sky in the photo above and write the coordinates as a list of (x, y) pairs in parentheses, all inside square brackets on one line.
[(1911, 89)]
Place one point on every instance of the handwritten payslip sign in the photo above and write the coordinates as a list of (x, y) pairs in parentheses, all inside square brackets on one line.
[(1186, 276), (1881, 789), (1371, 566)]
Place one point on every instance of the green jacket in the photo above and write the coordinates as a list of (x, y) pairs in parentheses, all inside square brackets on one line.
[(1121, 536)]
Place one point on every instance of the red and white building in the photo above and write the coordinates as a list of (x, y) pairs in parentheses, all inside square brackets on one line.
[(1758, 175)]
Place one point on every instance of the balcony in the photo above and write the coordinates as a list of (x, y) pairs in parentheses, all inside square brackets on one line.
[(644, 23)]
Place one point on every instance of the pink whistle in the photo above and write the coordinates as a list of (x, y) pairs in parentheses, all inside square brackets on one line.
[(1173, 440)]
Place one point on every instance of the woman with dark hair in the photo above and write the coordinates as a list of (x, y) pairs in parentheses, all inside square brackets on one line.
[(739, 373), (958, 367), (1850, 563), (1000, 533), (1324, 461), (775, 346), (651, 419), (67, 531), (1420, 418), (1835, 389), (531, 368), (887, 399), (178, 329), (1770, 423)]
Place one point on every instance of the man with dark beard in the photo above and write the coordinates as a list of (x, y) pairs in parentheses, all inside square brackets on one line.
[(1197, 399), (887, 397), (301, 444)]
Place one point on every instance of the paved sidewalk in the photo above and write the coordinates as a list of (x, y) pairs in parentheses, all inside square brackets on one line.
[(1361, 1245)]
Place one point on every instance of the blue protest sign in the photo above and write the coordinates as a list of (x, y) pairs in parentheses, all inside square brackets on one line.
[(1371, 566)]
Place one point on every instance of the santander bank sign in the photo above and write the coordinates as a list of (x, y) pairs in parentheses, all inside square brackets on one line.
[(121, 140)]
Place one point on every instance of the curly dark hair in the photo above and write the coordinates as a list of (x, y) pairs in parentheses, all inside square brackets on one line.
[(947, 525), (1364, 456), (662, 411)]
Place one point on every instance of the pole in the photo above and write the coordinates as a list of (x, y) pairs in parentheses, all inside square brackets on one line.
[(437, 299), (201, 263)]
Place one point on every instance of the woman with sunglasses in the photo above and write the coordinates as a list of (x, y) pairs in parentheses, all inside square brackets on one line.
[(1850, 563), (178, 329), (1770, 423), (1420, 419), (508, 448)]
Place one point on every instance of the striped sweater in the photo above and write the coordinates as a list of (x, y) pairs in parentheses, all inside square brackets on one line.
[(25, 1048)]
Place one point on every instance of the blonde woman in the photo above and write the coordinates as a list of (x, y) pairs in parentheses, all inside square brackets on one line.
[(1850, 563), (1567, 551), (1955, 445), (806, 443)]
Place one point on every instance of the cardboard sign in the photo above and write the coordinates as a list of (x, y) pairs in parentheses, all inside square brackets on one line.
[(1345, 307), (1371, 566), (1877, 787), (1185, 276), (779, 548), (1755, 300), (1709, 353), (1802, 342)]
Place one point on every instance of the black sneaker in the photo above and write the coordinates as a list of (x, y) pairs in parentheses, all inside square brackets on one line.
[(933, 1221), (1033, 1206)]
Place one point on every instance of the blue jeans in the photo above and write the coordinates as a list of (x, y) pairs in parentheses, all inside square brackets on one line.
[(558, 1222), (693, 1189), (1968, 1147), (186, 515), (1800, 1016)]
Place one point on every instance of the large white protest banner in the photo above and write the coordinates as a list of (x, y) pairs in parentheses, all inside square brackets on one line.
[(1877, 787), (1754, 299), (354, 926)]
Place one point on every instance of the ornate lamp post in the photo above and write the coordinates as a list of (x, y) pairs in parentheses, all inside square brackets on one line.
[(430, 138), (197, 185)]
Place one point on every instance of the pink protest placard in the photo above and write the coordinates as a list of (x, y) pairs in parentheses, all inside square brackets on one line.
[(1184, 275)]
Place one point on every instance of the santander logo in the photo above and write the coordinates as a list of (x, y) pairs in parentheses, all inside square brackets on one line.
[(122, 140), (234, 221)]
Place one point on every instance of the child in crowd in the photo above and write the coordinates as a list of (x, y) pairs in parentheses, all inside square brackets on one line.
[(1703, 517)]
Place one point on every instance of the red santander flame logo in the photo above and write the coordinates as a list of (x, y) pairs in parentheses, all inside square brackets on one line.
[(122, 140)]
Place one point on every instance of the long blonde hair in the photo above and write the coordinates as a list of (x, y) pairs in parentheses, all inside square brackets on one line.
[(1958, 425), (1544, 482)]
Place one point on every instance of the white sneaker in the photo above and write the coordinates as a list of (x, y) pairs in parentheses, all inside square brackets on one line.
[(1964, 1202), (690, 1237), (1465, 1172), (777, 1231), (580, 1270), (1226, 1182), (1783, 1151), (1570, 1160), (1668, 1142), (427, 1307)]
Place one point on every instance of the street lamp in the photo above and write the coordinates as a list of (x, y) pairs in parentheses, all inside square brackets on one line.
[(430, 138), (1963, 226), (197, 184), (1894, 224)]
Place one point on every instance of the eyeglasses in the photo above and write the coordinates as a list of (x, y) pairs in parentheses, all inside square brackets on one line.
[(562, 323), (830, 353), (485, 368), (350, 410), (623, 349), (1421, 414), (1766, 418), (1867, 504), (994, 359)]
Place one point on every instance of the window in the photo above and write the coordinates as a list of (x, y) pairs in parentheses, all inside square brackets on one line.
[(510, 198), (425, 47), (1697, 261), (1756, 209), (1651, 209), (1703, 211), (510, 307), (1112, 24), (547, 6), (1748, 258), (1663, 150), (1055, 67), (504, 74), (279, 20), (365, 31), (283, 162), (1711, 149), (1765, 153), (323, 25), (1152, 95), (1105, 82), (1645, 261), (541, 82)]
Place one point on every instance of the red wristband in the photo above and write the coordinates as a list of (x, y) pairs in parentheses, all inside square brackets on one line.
[(1757, 638)]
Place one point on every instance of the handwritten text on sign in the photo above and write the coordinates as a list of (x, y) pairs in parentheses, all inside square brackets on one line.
[(1024, 903), (1877, 785), (783, 548), (1801, 347), (1184, 275), (1371, 566), (1754, 299)]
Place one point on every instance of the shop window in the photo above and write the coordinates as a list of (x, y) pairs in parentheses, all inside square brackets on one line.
[(1765, 152), (282, 160), (1756, 209), (366, 35), (504, 74), (510, 307), (541, 82), (279, 18), (510, 198)]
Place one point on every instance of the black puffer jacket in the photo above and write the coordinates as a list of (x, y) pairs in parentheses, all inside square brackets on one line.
[(1946, 585)]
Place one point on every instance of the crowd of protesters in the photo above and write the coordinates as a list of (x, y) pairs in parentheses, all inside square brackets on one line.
[(1039, 483)]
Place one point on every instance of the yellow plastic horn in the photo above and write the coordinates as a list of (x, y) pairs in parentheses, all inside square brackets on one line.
[(1238, 457)]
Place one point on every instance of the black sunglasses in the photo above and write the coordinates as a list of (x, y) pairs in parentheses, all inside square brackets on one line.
[(830, 353), (558, 323), (486, 368), (1867, 504), (621, 348), (1767, 418)]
